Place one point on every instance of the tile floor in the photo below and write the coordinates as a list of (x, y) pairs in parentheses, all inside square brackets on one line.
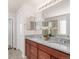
[(15, 54)]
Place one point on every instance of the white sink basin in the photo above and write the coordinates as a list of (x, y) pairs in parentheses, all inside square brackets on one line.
[(60, 41)]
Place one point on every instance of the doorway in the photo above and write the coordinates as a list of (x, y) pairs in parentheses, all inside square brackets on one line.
[(10, 33)]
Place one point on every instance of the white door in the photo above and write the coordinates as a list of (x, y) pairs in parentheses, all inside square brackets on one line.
[(10, 33)]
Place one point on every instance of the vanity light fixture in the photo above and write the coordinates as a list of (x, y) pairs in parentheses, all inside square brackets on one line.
[(49, 4)]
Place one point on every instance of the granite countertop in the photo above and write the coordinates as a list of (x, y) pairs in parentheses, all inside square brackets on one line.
[(60, 47)]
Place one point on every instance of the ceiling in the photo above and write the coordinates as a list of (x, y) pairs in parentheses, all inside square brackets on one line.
[(14, 5)]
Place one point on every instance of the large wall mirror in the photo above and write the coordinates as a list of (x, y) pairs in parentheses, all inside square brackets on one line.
[(58, 25), (30, 23)]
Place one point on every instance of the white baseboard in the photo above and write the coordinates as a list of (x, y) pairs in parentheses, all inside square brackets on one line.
[(23, 56)]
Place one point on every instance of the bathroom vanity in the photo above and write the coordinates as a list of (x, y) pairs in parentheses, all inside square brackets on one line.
[(57, 27), (41, 50)]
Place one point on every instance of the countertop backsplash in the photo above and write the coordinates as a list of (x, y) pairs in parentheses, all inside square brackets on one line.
[(55, 37), (34, 36)]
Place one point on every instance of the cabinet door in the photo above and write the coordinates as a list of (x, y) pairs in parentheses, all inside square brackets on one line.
[(54, 57), (34, 50), (43, 55), (33, 56), (28, 50)]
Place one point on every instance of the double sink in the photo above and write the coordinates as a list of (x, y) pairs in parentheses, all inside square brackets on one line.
[(65, 42)]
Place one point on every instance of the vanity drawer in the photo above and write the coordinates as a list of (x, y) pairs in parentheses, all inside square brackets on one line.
[(33, 43), (27, 41)]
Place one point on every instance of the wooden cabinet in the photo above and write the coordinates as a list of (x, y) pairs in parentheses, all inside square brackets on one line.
[(35, 50), (54, 53), (43, 55), (30, 49), (33, 56), (27, 50), (53, 57)]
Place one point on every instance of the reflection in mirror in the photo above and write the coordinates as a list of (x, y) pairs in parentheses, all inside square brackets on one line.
[(62, 27), (32, 25), (58, 25)]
